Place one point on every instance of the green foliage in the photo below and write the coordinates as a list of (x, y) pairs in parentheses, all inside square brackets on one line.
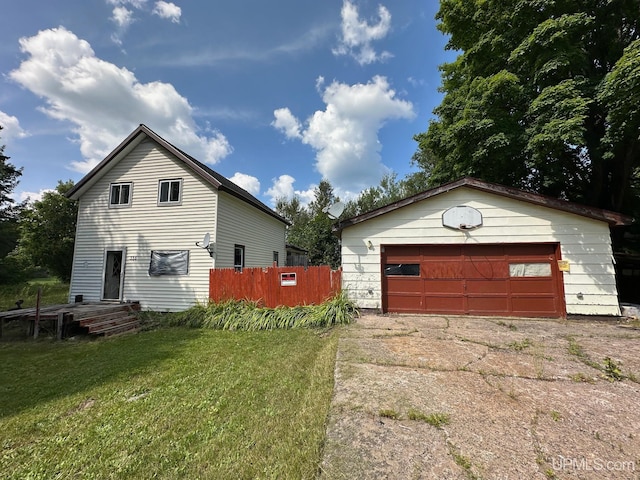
[(543, 96), (48, 230), (171, 403), (612, 370), (389, 413), (246, 315), (436, 419), (388, 191), (311, 228), (53, 293), (10, 268)]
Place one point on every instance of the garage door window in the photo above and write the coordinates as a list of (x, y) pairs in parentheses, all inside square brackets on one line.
[(529, 270), (403, 269)]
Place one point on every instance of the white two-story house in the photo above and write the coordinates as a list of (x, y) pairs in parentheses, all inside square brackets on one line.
[(143, 215)]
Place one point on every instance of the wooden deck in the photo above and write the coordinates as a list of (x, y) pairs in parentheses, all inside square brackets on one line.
[(92, 318)]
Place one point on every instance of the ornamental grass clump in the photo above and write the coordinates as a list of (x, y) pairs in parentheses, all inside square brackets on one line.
[(249, 315)]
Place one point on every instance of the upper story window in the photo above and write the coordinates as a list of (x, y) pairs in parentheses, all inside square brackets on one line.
[(120, 195), (170, 192)]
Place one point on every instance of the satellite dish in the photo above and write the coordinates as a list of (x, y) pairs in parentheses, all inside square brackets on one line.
[(334, 211), (206, 241)]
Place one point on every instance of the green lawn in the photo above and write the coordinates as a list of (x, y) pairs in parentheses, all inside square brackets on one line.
[(169, 403), (53, 292)]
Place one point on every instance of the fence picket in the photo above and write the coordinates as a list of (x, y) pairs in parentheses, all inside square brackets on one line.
[(263, 285)]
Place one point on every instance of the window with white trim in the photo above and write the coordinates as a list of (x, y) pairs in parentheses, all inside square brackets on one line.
[(120, 195), (170, 192), (238, 257)]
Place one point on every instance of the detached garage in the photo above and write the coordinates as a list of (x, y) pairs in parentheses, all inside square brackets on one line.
[(472, 247)]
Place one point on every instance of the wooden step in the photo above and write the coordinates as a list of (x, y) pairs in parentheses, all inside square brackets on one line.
[(103, 317), (125, 324), (97, 327)]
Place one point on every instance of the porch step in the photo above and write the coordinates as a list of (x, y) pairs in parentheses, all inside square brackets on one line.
[(120, 319)]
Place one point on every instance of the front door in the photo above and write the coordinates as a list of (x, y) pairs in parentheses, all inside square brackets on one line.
[(113, 275)]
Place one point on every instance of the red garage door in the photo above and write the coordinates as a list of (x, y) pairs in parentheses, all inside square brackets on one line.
[(512, 280)]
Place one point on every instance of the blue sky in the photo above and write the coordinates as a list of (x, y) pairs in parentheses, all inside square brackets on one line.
[(273, 95)]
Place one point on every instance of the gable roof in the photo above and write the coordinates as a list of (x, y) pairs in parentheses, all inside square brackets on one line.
[(210, 176), (612, 218)]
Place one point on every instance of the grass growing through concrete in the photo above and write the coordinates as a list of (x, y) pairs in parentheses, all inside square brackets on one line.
[(169, 403)]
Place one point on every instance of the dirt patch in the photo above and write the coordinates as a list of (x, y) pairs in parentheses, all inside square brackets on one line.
[(484, 398)]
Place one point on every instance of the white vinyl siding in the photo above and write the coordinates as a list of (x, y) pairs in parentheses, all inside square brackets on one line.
[(590, 285), (145, 227), (241, 224)]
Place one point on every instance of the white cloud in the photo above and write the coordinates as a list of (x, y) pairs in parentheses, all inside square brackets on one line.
[(249, 183), (134, 3), (11, 128), (287, 123), (105, 102), (345, 134), (168, 10), (34, 196), (282, 187), (357, 34), (122, 17)]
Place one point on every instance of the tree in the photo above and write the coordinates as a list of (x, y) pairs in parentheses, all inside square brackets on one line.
[(545, 95), (9, 212), (311, 227), (48, 229), (388, 191)]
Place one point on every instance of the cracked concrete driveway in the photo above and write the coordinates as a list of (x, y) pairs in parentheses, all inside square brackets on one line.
[(485, 398)]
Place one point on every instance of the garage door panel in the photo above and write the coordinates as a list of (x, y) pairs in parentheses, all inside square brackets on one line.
[(486, 287), (487, 304), (405, 303), (432, 286), (443, 269), (531, 250), (533, 286), (486, 270), (445, 304), (499, 279), (404, 284), (442, 252), (534, 306)]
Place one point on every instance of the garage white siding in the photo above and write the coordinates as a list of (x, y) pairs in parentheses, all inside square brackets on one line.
[(590, 286), (143, 227)]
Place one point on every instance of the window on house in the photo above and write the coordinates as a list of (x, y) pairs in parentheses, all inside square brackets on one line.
[(170, 192), (529, 270), (238, 257), (276, 258), (120, 195), (402, 269), (169, 262)]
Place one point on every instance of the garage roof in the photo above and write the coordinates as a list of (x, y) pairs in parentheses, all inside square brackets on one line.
[(612, 218)]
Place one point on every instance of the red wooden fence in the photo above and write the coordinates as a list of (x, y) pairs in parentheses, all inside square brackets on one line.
[(275, 286)]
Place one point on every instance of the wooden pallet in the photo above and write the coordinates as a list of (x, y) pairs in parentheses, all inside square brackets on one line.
[(101, 318)]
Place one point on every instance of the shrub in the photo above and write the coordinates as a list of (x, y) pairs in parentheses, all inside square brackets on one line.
[(248, 315)]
